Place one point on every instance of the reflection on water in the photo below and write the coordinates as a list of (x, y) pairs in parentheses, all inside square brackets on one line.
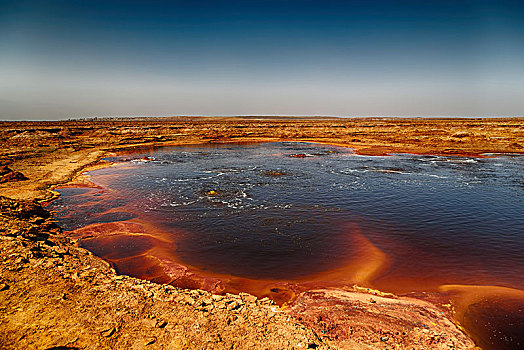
[(295, 212)]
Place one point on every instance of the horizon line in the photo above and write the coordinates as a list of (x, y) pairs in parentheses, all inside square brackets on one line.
[(266, 116)]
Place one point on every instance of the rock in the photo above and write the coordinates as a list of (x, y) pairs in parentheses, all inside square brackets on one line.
[(4, 170), (217, 297), (266, 301), (8, 175), (20, 261), (274, 173), (233, 305), (148, 322), (248, 298), (108, 332), (195, 293), (150, 341), (3, 287), (161, 324), (342, 316), (206, 301), (187, 300)]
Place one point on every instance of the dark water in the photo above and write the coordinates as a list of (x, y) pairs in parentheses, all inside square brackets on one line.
[(254, 211), (496, 323)]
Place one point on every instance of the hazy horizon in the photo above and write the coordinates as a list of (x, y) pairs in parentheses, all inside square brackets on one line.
[(64, 59), (115, 117)]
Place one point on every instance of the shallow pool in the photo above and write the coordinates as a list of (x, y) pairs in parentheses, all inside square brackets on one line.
[(259, 217)]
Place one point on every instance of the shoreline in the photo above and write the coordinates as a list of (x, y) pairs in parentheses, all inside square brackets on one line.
[(73, 164), (48, 282)]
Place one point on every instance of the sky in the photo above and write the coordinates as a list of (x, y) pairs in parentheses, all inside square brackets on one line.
[(67, 59)]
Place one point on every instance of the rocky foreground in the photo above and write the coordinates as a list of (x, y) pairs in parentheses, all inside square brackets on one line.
[(55, 295)]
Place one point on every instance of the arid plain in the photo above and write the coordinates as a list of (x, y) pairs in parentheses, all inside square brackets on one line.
[(56, 295)]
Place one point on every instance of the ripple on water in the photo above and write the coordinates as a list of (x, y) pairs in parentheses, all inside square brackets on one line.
[(255, 212)]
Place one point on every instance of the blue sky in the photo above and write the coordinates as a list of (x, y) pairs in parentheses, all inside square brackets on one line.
[(60, 59)]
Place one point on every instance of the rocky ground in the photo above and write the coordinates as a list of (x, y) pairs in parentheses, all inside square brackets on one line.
[(55, 295)]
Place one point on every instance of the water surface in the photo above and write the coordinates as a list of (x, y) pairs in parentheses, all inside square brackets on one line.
[(298, 212)]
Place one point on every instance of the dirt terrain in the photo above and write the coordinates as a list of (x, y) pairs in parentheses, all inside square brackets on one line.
[(49, 153), (55, 295)]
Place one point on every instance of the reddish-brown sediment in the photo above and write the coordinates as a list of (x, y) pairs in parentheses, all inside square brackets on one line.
[(157, 260), (353, 320), (55, 294), (140, 249)]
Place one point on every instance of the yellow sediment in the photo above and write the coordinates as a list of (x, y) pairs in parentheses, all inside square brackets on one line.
[(463, 296)]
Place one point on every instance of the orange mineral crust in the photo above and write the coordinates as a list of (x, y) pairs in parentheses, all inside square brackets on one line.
[(141, 250)]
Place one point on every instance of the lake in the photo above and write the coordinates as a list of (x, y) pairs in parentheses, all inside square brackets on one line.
[(264, 217)]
